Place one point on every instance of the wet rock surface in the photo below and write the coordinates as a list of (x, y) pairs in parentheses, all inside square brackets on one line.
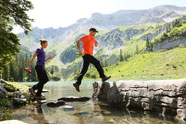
[(165, 96), (17, 96), (56, 103)]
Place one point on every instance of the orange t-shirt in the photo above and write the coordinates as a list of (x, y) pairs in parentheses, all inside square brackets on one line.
[(88, 43)]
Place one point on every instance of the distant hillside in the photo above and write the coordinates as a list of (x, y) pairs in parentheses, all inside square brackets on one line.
[(166, 13), (122, 35), (134, 38), (175, 35)]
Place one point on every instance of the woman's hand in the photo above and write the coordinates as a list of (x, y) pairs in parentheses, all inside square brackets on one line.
[(50, 57)]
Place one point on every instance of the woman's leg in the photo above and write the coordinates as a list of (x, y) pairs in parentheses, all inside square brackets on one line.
[(43, 78)]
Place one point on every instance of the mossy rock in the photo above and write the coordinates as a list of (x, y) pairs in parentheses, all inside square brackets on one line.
[(10, 88)]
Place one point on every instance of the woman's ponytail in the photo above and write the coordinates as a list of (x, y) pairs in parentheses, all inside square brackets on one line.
[(42, 41)]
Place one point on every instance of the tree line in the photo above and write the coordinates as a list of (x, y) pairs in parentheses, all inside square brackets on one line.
[(14, 71)]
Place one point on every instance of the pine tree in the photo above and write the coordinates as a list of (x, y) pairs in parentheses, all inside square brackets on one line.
[(147, 42), (121, 56), (137, 49), (21, 74), (11, 69)]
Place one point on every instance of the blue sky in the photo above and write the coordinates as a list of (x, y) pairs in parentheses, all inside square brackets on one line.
[(62, 13)]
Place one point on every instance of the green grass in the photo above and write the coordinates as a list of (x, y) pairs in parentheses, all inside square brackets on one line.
[(165, 64)]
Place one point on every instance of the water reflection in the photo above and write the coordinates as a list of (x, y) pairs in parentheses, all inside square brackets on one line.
[(37, 114)]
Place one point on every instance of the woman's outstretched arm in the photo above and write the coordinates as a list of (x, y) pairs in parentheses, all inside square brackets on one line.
[(33, 57)]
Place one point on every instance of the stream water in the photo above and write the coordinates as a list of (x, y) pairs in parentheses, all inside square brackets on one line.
[(90, 112)]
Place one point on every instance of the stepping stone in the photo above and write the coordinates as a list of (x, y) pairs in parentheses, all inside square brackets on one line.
[(56, 103), (68, 108), (81, 113), (75, 99)]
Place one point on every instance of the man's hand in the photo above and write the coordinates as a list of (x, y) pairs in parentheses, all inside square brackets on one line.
[(96, 44), (80, 53)]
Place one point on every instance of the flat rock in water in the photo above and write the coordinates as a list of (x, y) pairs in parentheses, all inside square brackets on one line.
[(68, 108), (56, 103), (74, 99)]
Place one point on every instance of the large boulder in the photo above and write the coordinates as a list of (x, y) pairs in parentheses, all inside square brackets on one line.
[(16, 93), (3, 92), (165, 96)]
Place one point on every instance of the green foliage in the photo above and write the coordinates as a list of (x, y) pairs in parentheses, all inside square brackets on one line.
[(174, 31), (9, 43), (12, 13), (5, 109), (10, 88)]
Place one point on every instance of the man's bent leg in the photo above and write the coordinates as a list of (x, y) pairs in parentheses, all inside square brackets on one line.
[(97, 64), (84, 70)]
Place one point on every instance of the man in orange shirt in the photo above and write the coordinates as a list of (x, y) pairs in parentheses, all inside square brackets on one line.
[(88, 42)]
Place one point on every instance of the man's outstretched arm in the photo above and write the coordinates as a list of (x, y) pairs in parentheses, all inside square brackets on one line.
[(79, 47)]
